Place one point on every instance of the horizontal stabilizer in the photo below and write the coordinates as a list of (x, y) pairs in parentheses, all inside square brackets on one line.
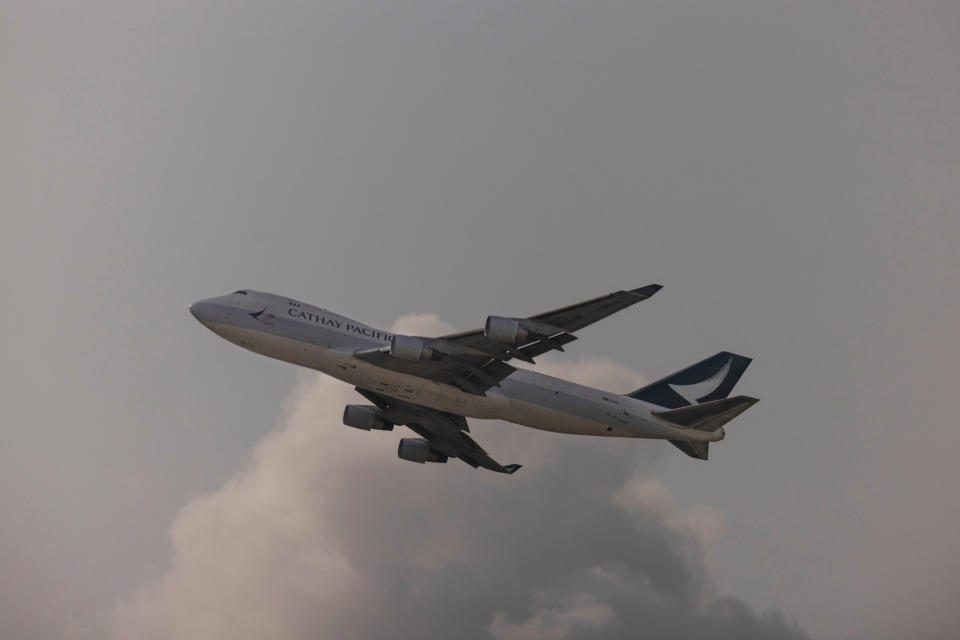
[(708, 416)]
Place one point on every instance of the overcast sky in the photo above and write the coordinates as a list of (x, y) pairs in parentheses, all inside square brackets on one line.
[(789, 171)]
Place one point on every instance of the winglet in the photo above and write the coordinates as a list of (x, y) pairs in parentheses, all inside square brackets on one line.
[(645, 292), (511, 468)]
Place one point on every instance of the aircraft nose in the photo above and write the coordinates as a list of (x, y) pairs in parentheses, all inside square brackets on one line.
[(202, 310)]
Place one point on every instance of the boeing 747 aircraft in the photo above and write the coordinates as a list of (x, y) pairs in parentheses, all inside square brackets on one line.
[(432, 385)]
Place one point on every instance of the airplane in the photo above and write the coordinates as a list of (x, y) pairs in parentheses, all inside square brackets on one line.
[(432, 385)]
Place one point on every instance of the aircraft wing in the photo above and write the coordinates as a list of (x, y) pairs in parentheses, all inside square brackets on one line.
[(475, 363), (444, 431), (557, 325)]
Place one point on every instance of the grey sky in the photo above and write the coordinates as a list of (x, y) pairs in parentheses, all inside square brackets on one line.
[(789, 172)]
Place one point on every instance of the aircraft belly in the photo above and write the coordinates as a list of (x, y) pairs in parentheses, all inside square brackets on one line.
[(344, 366), (547, 419), (442, 397), (496, 404)]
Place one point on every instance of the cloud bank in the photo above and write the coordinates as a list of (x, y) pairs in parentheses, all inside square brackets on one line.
[(327, 534)]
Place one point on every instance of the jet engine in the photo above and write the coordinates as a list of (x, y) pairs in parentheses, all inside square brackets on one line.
[(507, 330), (409, 348), (366, 417), (418, 450)]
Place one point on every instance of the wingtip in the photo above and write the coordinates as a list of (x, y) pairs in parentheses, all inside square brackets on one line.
[(648, 290), (511, 468)]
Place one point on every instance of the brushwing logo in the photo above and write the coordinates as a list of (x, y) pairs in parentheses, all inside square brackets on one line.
[(691, 392)]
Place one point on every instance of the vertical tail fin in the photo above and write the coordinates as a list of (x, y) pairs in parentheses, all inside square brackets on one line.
[(710, 379)]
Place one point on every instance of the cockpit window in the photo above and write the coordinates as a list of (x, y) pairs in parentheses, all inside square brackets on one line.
[(241, 292)]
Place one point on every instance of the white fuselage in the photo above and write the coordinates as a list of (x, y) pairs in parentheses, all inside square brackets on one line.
[(302, 334)]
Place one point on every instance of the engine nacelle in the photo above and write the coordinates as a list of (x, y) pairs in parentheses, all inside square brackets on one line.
[(409, 348), (418, 450), (366, 417), (506, 330)]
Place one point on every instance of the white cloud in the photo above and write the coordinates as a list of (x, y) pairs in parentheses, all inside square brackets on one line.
[(326, 533), (422, 324), (645, 495), (248, 557)]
